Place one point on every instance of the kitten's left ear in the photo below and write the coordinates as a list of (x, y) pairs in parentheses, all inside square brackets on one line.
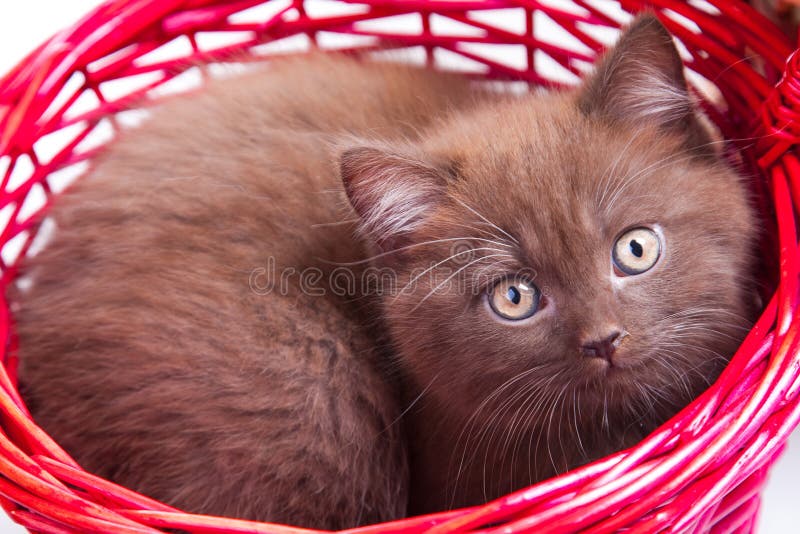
[(640, 81), (392, 193)]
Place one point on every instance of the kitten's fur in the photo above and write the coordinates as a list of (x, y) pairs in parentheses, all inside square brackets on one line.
[(146, 353), (149, 356)]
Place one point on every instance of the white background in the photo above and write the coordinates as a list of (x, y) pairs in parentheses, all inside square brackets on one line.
[(29, 22)]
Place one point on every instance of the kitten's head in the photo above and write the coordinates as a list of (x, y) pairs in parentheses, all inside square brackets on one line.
[(586, 245)]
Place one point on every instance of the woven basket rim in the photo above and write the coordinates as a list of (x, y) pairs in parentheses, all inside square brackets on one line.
[(711, 459)]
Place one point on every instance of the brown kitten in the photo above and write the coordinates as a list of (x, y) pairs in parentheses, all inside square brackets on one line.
[(601, 277), (150, 346), (152, 352)]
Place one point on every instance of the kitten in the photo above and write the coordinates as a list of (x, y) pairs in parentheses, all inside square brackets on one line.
[(566, 271)]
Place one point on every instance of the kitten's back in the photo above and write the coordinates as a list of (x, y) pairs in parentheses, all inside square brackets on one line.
[(148, 352)]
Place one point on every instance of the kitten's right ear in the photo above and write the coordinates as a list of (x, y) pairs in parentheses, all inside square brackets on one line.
[(392, 193)]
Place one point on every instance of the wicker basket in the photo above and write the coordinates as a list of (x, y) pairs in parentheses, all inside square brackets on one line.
[(702, 471)]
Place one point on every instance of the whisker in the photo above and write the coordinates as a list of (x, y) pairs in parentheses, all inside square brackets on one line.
[(487, 221), (449, 258), (501, 241), (432, 291), (467, 429), (401, 249), (608, 176)]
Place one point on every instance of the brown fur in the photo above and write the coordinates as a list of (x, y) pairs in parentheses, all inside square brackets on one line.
[(148, 353)]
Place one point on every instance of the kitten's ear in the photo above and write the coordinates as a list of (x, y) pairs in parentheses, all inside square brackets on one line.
[(641, 81), (392, 193)]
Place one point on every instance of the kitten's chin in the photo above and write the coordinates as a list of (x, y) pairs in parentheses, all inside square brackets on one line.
[(603, 375)]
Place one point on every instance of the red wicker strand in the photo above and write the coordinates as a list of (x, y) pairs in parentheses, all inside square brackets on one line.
[(700, 472)]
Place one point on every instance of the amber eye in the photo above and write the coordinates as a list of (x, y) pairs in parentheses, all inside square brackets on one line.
[(514, 299), (636, 251)]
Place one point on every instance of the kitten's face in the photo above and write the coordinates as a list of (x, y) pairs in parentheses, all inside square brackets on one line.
[(584, 249), (572, 238)]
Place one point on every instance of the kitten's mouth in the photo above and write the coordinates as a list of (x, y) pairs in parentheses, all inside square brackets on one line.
[(612, 370), (606, 380), (612, 364)]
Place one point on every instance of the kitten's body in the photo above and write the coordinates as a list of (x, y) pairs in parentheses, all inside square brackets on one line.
[(197, 388), (151, 352)]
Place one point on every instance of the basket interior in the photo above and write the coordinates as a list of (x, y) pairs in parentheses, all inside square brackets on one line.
[(77, 92)]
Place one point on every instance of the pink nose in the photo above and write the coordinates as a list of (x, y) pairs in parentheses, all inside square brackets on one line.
[(603, 348)]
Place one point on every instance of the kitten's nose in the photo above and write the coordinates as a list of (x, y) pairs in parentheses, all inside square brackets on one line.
[(605, 347)]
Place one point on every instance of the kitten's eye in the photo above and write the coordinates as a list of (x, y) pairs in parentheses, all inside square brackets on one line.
[(514, 299), (636, 251)]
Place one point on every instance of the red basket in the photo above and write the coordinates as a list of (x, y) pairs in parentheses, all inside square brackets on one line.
[(702, 471)]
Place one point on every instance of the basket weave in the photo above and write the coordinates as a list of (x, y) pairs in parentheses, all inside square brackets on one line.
[(702, 471)]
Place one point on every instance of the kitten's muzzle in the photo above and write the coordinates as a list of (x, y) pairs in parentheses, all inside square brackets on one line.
[(605, 346)]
